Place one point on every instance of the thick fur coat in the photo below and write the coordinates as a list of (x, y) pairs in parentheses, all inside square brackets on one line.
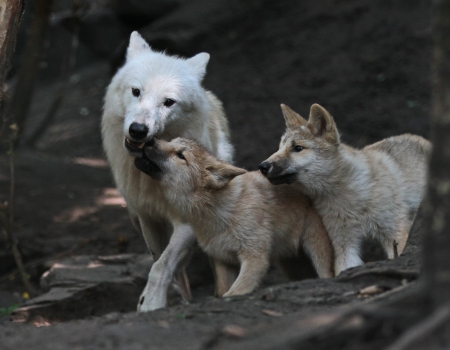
[(161, 95), (239, 218), (374, 192)]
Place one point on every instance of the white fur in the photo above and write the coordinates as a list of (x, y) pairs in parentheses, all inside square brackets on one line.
[(197, 114)]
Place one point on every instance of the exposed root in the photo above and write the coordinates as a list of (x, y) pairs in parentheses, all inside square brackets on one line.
[(422, 329), (389, 272)]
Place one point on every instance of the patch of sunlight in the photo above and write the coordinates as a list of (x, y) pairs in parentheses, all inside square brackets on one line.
[(94, 265), (41, 322), (91, 162), (74, 214), (110, 196), (57, 266), (319, 320)]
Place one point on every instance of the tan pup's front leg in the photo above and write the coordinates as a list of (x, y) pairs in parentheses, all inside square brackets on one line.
[(317, 244), (225, 275), (253, 269)]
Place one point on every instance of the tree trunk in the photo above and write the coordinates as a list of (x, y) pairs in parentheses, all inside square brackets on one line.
[(436, 269), (17, 109), (10, 17)]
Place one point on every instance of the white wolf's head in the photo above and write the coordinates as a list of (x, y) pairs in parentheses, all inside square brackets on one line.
[(308, 150), (158, 93)]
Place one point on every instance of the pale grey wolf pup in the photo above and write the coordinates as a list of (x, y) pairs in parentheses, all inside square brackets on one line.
[(374, 192), (239, 218), (154, 94)]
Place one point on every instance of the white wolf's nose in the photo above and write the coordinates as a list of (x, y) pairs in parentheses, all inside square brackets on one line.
[(138, 131)]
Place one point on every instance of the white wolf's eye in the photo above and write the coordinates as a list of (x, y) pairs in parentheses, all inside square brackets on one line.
[(169, 102), (181, 156), (135, 92)]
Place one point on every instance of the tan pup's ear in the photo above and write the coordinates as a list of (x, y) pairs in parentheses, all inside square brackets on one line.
[(220, 174), (321, 124), (293, 119)]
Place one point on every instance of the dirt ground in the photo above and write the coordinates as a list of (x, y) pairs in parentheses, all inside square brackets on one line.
[(367, 62)]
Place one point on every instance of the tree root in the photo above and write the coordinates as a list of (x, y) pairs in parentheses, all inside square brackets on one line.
[(390, 272), (422, 329)]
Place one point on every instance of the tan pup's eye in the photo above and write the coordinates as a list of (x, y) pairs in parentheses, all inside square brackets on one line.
[(298, 148), (181, 155)]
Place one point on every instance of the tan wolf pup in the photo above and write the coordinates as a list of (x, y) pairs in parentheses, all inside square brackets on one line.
[(374, 192), (156, 95), (243, 221)]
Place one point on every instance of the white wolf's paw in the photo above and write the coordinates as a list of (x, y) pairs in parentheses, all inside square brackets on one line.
[(152, 298), (150, 303)]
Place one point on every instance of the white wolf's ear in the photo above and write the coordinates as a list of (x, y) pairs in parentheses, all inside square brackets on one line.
[(198, 64), (321, 124), (220, 174), (137, 45), (293, 119)]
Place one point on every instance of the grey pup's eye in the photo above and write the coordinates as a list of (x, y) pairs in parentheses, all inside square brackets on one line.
[(298, 148), (135, 92), (169, 102)]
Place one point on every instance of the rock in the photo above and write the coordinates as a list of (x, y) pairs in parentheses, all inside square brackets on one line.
[(84, 286), (92, 269)]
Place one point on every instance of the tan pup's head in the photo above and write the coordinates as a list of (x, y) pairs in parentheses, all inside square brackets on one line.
[(185, 167), (306, 151)]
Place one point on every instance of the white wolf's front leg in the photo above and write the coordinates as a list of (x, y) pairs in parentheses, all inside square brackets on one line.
[(346, 254), (161, 275)]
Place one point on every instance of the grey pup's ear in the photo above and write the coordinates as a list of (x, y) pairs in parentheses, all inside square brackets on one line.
[(136, 46), (219, 174), (293, 119), (198, 64), (321, 124)]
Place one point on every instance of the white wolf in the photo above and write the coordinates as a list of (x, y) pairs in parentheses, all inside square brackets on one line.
[(154, 94)]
